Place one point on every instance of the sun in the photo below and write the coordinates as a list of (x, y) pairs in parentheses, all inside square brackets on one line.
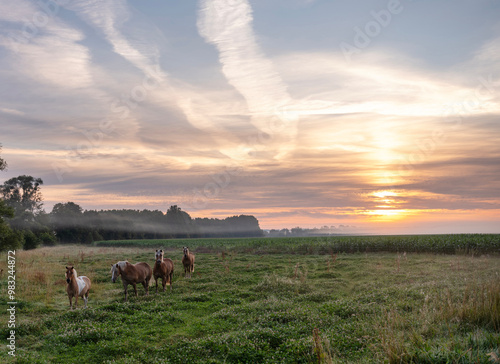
[(386, 207)]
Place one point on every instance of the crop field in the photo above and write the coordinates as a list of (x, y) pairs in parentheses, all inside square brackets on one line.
[(421, 299)]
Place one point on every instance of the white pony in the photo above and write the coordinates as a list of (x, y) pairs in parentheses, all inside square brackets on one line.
[(77, 287)]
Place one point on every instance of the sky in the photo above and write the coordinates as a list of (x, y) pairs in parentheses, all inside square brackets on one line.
[(369, 116)]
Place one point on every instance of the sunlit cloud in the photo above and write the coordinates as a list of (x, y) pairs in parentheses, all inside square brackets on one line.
[(228, 25)]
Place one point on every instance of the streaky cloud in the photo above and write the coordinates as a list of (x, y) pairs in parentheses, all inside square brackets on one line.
[(227, 24)]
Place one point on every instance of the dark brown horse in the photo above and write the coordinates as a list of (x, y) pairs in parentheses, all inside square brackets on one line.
[(164, 269), (77, 287), (132, 274), (188, 262)]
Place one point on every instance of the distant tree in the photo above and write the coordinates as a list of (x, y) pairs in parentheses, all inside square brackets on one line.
[(179, 222), (67, 222), (23, 194), (3, 163), (9, 239), (284, 232)]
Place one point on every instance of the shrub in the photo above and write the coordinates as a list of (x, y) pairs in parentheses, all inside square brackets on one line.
[(31, 241)]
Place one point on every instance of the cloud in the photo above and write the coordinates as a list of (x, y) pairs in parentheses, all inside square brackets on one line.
[(11, 111), (227, 24), (377, 83), (46, 50)]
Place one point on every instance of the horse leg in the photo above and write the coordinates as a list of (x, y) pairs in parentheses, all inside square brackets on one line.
[(135, 288), (70, 302), (125, 285), (146, 285), (86, 298), (164, 282), (156, 281), (76, 302)]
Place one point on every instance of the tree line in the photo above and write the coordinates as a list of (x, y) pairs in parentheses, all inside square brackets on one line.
[(24, 223), (73, 225)]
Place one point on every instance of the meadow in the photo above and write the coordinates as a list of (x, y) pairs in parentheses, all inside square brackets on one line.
[(425, 299)]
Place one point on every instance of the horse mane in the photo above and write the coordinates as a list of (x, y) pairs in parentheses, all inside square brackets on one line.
[(122, 264)]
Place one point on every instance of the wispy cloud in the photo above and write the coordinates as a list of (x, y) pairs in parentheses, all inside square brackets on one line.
[(11, 111), (227, 24), (48, 51)]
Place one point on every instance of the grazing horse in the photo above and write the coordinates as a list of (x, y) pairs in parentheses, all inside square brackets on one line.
[(77, 287), (188, 262), (132, 274), (164, 269)]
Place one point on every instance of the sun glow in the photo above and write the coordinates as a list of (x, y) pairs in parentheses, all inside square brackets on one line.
[(386, 208), (383, 194)]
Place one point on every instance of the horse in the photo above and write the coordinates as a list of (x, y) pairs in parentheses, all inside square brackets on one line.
[(77, 287), (164, 269), (132, 274), (188, 262)]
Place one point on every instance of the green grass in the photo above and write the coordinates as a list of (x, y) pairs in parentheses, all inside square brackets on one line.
[(448, 244), (249, 303)]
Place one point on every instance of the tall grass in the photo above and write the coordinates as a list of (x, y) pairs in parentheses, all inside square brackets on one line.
[(479, 305)]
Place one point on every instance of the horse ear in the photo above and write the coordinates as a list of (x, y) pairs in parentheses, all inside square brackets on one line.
[(67, 268)]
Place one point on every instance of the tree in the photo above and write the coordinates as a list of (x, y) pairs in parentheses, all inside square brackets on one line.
[(66, 220), (3, 163), (179, 222), (23, 194), (9, 239)]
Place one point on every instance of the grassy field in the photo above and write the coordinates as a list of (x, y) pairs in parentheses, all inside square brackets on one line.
[(262, 301)]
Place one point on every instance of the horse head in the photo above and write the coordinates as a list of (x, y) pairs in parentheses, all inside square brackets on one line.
[(159, 256), (69, 274), (186, 251), (115, 272)]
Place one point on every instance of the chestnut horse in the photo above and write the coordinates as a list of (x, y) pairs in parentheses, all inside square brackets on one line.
[(164, 269), (188, 262), (77, 287), (132, 274)]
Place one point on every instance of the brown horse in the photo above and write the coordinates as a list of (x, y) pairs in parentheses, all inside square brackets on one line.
[(164, 269), (77, 287), (132, 274), (188, 262)]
